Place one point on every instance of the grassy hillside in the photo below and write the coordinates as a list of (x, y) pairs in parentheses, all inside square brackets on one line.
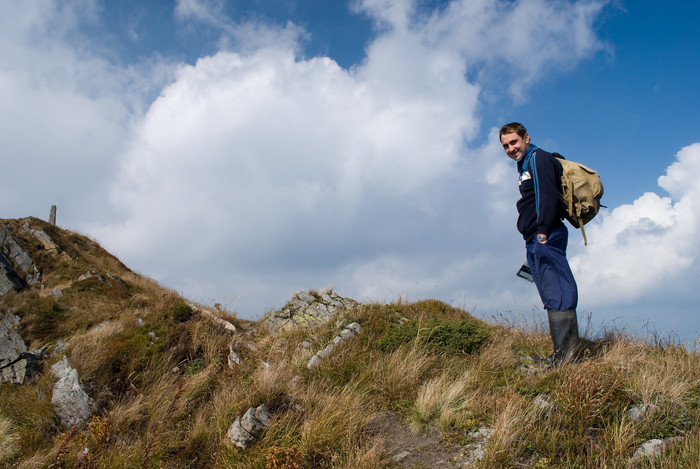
[(424, 385)]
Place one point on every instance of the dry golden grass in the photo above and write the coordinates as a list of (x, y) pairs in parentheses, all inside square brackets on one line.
[(334, 425), (516, 418), (8, 439), (400, 373), (443, 401)]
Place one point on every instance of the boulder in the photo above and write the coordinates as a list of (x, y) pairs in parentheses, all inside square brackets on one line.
[(247, 429), (71, 403)]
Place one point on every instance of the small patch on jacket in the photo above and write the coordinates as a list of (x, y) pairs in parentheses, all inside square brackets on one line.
[(524, 176)]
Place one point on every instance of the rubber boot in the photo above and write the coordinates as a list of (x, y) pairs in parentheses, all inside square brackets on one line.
[(563, 326)]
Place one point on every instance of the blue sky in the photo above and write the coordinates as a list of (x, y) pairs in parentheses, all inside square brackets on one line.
[(240, 151)]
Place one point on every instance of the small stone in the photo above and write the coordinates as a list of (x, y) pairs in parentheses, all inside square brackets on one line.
[(234, 359), (650, 449), (637, 413), (313, 362), (541, 401)]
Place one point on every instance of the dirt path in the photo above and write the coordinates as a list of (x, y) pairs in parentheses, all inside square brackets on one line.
[(424, 450)]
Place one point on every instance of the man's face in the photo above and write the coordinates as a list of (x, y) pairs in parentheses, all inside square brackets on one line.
[(515, 145)]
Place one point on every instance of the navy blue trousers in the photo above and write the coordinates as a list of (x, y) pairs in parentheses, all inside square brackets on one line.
[(551, 272)]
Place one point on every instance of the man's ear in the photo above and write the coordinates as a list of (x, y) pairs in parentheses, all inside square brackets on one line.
[(527, 138)]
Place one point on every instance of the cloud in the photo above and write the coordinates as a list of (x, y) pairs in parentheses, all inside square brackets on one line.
[(61, 116), (268, 156), (257, 172), (647, 249), (506, 45)]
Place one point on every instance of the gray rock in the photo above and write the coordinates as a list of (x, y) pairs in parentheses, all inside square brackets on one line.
[(654, 447), (541, 402), (247, 429), (90, 274), (11, 348), (477, 448), (637, 413), (352, 330), (234, 359), (71, 403), (314, 362), (306, 297), (19, 257), (61, 347), (9, 280), (651, 448), (45, 240), (307, 308)]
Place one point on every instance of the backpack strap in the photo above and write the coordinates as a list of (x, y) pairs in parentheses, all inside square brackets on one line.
[(576, 211)]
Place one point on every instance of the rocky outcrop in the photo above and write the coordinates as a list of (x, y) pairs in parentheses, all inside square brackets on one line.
[(16, 363), (307, 308), (13, 259), (9, 280), (71, 403)]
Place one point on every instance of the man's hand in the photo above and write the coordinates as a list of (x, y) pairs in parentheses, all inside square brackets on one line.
[(542, 238)]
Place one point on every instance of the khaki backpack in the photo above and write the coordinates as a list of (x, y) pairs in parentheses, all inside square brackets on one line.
[(581, 192)]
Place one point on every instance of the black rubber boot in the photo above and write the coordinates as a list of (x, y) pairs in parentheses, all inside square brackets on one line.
[(563, 326)]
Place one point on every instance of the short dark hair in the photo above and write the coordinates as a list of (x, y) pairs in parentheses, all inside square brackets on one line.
[(516, 127)]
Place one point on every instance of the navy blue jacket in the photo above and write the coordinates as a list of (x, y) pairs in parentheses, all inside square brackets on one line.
[(540, 208)]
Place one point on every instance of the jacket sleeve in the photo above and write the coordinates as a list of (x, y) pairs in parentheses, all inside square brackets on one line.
[(546, 175)]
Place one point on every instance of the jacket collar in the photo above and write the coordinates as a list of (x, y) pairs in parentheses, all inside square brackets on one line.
[(524, 162)]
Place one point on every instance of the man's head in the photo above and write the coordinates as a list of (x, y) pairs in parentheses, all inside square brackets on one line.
[(515, 140)]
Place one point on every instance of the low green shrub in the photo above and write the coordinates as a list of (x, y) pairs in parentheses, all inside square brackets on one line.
[(179, 311), (462, 336)]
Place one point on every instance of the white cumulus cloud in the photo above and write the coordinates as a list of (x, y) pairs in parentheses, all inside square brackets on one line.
[(647, 250)]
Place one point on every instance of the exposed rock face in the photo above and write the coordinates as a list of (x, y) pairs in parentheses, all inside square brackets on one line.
[(16, 363), (245, 430), (9, 281), (72, 404), (307, 308), (12, 255), (42, 237), (11, 345)]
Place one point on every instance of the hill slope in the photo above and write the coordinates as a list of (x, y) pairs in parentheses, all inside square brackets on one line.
[(421, 384)]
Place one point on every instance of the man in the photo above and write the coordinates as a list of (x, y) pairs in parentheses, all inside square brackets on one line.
[(540, 214)]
